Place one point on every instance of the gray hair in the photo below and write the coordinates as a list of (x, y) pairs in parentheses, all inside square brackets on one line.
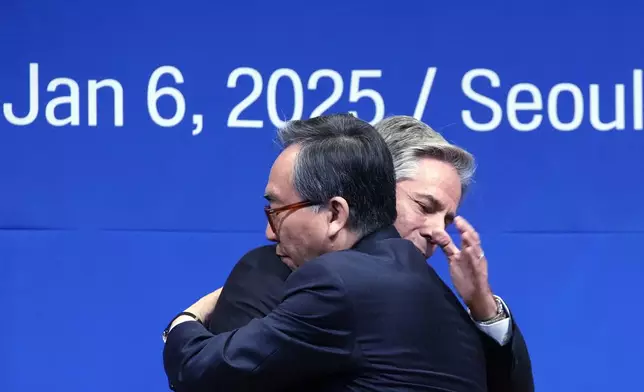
[(409, 139)]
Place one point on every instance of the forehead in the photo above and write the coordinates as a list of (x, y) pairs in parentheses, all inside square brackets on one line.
[(438, 179), (280, 180)]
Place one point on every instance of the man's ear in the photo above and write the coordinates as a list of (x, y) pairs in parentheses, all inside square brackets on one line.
[(338, 215)]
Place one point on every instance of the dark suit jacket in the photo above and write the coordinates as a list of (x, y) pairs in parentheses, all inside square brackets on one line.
[(256, 286), (373, 318)]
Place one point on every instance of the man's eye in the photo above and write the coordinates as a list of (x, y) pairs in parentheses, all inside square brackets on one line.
[(426, 209)]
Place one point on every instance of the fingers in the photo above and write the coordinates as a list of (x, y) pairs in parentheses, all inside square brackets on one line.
[(474, 254), (471, 242), (469, 236), (442, 239)]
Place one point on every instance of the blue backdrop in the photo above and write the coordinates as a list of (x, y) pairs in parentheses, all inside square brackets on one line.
[(136, 139)]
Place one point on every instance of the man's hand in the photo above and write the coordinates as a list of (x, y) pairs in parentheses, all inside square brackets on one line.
[(202, 309), (468, 269), (205, 306)]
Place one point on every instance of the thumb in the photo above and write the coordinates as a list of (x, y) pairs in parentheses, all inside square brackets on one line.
[(442, 239)]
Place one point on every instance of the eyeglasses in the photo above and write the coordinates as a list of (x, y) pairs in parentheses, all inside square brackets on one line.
[(270, 212)]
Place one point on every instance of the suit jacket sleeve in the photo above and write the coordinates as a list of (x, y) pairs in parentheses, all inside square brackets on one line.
[(310, 334), (253, 289), (509, 368)]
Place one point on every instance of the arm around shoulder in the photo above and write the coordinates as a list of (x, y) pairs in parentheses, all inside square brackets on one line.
[(310, 334)]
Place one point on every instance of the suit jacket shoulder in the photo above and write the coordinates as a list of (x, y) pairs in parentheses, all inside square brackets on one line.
[(253, 289), (409, 327)]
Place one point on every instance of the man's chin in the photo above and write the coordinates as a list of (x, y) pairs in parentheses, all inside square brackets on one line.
[(288, 261), (430, 252), (427, 252)]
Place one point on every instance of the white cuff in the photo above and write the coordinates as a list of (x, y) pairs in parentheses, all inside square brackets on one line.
[(501, 331)]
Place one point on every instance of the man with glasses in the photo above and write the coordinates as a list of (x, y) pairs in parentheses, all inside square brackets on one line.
[(362, 309), (432, 177)]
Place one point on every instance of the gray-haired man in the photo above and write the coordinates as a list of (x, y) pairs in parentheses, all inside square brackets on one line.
[(432, 176)]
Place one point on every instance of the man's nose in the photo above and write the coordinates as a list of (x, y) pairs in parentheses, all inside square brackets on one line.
[(270, 234), (432, 223)]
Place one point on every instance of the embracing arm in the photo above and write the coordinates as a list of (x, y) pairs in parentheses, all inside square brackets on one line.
[(509, 368), (310, 334)]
